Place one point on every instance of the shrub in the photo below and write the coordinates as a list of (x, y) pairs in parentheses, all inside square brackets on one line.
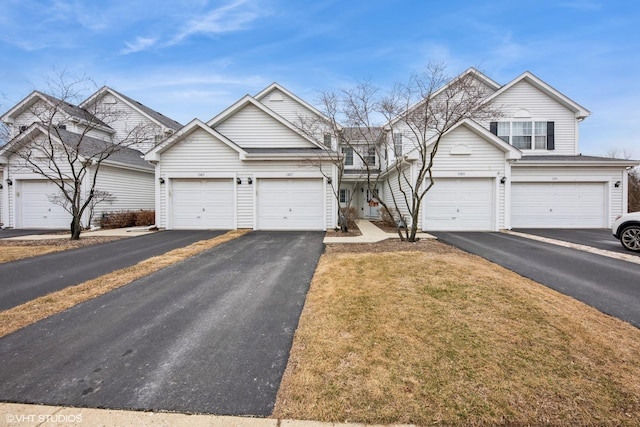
[(127, 219), (145, 218)]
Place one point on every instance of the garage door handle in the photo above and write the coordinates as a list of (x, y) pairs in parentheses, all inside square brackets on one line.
[(289, 209), (202, 209)]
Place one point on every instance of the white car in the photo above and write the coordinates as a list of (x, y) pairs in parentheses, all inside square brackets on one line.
[(627, 228)]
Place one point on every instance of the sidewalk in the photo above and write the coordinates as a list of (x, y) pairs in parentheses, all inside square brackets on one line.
[(370, 234), (119, 232), (23, 415)]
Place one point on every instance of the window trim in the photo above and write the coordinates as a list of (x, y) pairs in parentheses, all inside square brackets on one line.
[(347, 152), (537, 141)]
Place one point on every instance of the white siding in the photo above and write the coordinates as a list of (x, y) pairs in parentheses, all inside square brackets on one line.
[(132, 190), (607, 175), (203, 156), (393, 183), (3, 196), (285, 106), (524, 96), (122, 118), (252, 128), (482, 159), (41, 110)]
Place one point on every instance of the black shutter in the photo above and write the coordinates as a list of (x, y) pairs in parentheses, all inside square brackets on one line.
[(493, 128), (551, 139)]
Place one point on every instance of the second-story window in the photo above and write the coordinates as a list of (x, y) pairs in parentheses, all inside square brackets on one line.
[(370, 157), (397, 144), (327, 140), (347, 152), (526, 135)]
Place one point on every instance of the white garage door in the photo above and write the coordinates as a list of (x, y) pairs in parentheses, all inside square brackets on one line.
[(557, 204), (34, 208), (464, 204), (290, 204), (202, 204)]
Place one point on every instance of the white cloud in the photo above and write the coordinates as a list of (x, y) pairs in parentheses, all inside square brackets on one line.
[(140, 44), (233, 17)]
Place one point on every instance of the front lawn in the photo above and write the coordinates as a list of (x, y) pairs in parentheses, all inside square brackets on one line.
[(438, 336)]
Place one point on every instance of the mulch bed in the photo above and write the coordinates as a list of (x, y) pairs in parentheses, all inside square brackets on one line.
[(391, 245)]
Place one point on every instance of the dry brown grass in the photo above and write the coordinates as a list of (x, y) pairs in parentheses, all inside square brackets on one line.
[(12, 250), (30, 312), (454, 340)]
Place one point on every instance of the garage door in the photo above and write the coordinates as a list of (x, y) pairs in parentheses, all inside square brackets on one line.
[(557, 204), (202, 204), (34, 208), (290, 204), (460, 205)]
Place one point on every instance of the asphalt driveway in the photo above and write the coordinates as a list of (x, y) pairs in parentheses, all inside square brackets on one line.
[(600, 238), (610, 285), (210, 335), (29, 278)]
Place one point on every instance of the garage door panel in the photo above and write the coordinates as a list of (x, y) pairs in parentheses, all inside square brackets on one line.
[(558, 205), (203, 203), (35, 208), (459, 205), (289, 204)]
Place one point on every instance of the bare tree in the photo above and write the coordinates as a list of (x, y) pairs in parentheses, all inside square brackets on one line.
[(328, 133), (67, 145), (99, 196), (422, 111), (633, 204), (634, 190)]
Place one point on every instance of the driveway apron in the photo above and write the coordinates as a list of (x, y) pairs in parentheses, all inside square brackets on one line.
[(30, 278), (209, 335), (610, 285)]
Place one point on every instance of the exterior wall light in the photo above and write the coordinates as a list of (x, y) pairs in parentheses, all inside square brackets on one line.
[(617, 184), (238, 180), (161, 180), (9, 182), (250, 180), (503, 180), (329, 180)]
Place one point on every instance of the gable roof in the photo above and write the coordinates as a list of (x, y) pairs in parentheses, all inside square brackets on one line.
[(469, 72), (188, 129), (87, 146), (545, 88), (150, 113), (276, 86), (68, 109), (579, 160), (249, 100), (512, 153)]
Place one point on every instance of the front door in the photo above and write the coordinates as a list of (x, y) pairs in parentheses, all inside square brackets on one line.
[(371, 204)]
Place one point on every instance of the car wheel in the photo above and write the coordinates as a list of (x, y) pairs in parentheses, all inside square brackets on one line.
[(630, 238)]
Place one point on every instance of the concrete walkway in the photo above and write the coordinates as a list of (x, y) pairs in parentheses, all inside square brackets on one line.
[(119, 232), (370, 234), (22, 415)]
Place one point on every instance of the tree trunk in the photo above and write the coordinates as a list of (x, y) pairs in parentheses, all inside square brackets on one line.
[(76, 228)]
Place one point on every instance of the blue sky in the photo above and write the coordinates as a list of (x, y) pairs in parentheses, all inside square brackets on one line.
[(193, 58)]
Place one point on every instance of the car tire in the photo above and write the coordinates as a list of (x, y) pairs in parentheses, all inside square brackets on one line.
[(630, 238)]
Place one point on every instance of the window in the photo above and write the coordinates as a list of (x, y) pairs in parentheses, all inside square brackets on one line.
[(327, 139), (347, 152), (397, 144), (345, 195), (370, 157), (525, 135)]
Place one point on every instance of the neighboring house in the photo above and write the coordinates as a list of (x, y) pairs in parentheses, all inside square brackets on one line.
[(25, 196), (251, 167), (521, 171), (248, 167)]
